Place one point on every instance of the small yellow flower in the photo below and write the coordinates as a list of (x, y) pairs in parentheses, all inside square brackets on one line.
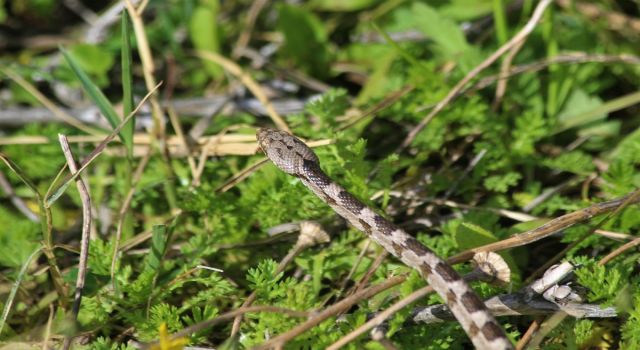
[(166, 342)]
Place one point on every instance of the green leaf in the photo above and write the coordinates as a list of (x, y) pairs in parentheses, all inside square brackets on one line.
[(158, 314), (264, 279), (583, 331), (579, 111), (449, 38), (45, 225), (413, 61), (530, 127), (18, 238), (305, 39), (341, 5), (604, 283), (601, 111), (465, 10), (601, 129), (204, 33), (631, 328), (159, 239), (330, 105), (501, 183), (318, 263), (576, 162), (380, 81), (127, 85), (17, 171), (93, 92), (94, 311), (93, 60), (3, 12), (621, 178), (469, 235)]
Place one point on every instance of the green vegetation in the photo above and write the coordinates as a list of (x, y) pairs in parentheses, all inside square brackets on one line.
[(182, 212)]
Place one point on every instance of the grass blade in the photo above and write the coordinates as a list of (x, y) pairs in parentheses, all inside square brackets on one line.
[(586, 117), (159, 242), (127, 93), (14, 289), (94, 92)]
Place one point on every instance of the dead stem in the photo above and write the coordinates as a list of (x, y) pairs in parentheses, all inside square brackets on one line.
[(551, 227), (86, 230), (332, 310)]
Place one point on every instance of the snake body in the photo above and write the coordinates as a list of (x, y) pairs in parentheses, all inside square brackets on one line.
[(295, 158)]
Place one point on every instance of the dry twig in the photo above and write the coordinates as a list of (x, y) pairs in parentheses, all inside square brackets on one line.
[(551, 227), (86, 230), (332, 310), (245, 36), (57, 111), (248, 81)]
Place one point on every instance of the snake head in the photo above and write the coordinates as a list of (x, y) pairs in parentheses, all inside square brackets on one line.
[(286, 151)]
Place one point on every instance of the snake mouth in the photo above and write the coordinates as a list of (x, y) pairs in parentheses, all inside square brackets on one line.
[(263, 139), (260, 134)]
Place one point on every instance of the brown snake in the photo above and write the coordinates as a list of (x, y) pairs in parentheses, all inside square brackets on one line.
[(295, 158)]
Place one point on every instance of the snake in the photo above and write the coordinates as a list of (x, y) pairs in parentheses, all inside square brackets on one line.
[(295, 158)]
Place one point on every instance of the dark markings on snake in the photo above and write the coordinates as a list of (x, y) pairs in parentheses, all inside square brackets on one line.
[(383, 225), (350, 202), (426, 269), (451, 297), (447, 273), (473, 330), (310, 171), (471, 302), (319, 180), (330, 200), (417, 247), (397, 248), (492, 331), (309, 164), (365, 226)]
